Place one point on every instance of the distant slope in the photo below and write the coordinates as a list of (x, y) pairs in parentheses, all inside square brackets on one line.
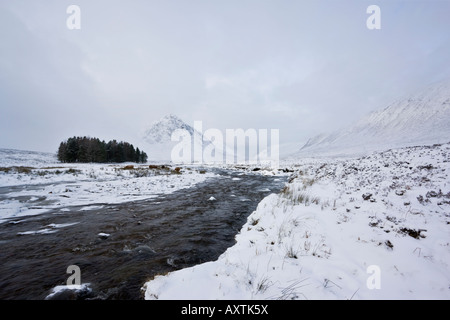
[(12, 157), (422, 118)]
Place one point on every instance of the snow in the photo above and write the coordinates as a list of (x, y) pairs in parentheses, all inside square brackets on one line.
[(12, 157), (51, 228), (103, 235), (76, 288), (41, 231), (157, 139), (34, 183), (417, 119), (160, 131), (320, 239), (371, 227)]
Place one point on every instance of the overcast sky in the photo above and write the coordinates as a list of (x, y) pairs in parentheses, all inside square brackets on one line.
[(303, 67)]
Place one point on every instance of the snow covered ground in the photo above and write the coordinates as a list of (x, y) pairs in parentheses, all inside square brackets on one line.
[(32, 183), (375, 227)]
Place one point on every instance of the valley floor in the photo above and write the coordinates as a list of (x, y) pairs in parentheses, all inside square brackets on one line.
[(375, 227), (34, 186)]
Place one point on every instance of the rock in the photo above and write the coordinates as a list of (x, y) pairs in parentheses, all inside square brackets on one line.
[(103, 236), (413, 233), (400, 192), (431, 194), (427, 167), (366, 196), (71, 292), (389, 244)]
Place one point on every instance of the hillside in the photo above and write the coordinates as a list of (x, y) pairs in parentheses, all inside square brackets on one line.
[(418, 119)]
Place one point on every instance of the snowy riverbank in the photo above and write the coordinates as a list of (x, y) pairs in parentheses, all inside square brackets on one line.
[(376, 227), (32, 183)]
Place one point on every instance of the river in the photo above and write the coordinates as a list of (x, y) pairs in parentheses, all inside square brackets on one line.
[(118, 247)]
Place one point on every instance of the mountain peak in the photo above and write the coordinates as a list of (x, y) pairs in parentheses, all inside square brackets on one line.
[(170, 117), (161, 131)]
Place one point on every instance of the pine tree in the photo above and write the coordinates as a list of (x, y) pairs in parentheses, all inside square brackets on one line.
[(137, 156), (72, 150), (62, 152)]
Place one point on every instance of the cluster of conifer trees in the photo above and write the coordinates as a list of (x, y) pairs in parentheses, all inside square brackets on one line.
[(86, 149)]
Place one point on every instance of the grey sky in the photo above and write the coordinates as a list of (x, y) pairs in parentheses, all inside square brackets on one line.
[(304, 67)]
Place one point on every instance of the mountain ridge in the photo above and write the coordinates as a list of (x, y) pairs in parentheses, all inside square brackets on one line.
[(420, 118)]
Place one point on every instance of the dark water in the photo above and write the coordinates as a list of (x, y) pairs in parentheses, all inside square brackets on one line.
[(147, 238)]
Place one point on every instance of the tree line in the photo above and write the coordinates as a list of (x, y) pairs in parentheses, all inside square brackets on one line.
[(86, 149)]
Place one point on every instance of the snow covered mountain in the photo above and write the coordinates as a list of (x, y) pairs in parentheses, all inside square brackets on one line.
[(160, 131), (422, 118), (157, 138)]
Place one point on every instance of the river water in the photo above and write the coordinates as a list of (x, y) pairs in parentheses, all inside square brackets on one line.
[(142, 239)]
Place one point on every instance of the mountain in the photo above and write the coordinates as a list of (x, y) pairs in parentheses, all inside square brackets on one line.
[(421, 118), (157, 138), (160, 131)]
